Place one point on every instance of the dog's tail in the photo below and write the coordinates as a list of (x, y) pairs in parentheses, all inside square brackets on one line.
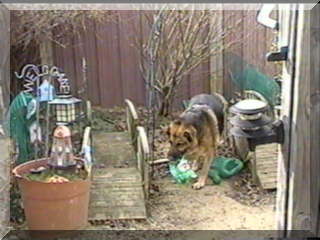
[(225, 116), (213, 123), (224, 102)]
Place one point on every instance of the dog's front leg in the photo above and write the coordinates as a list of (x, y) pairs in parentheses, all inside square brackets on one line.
[(204, 172), (195, 165)]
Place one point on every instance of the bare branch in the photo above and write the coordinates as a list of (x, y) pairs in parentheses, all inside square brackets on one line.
[(184, 41)]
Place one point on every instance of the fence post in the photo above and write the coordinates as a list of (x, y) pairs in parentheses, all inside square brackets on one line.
[(216, 61)]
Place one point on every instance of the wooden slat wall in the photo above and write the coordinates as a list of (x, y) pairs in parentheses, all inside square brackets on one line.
[(287, 21), (299, 212), (113, 71), (314, 111), (298, 176)]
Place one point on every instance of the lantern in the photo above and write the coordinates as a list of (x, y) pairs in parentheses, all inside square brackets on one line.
[(61, 152), (66, 107)]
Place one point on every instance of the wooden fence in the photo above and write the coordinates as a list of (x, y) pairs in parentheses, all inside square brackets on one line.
[(113, 71)]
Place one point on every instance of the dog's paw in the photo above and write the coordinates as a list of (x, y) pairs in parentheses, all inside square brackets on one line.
[(198, 185)]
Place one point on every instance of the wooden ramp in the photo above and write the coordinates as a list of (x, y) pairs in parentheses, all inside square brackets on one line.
[(114, 150), (119, 182), (266, 165), (117, 193)]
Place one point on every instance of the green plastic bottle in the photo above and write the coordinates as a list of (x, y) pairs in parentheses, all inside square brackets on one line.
[(182, 173)]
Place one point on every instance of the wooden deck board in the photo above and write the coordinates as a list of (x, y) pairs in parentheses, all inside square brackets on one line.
[(113, 197), (115, 149), (266, 165)]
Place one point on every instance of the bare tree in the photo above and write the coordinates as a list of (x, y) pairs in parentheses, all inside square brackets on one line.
[(38, 25), (179, 41)]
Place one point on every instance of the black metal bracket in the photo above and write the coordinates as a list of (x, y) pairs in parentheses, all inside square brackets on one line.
[(276, 135), (278, 56)]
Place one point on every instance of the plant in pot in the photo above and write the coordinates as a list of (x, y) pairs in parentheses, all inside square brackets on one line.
[(55, 190)]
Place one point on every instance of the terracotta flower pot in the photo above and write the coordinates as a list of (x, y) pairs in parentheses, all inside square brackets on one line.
[(53, 206)]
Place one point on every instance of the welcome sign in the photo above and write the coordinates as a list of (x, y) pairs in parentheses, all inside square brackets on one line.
[(32, 75)]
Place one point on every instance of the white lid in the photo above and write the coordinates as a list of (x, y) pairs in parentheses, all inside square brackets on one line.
[(250, 104)]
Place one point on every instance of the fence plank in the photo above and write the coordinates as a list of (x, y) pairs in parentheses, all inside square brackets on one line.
[(132, 82), (79, 54), (216, 61), (271, 69), (199, 76), (69, 68), (145, 31), (90, 53), (183, 93), (260, 47), (285, 20), (65, 61), (199, 79), (58, 59), (232, 60), (299, 183), (108, 59), (92, 65), (46, 53), (314, 111)]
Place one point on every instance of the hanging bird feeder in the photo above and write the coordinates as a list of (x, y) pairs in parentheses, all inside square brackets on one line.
[(67, 109)]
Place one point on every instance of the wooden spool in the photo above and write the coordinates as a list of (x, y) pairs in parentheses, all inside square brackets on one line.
[(241, 145), (263, 162)]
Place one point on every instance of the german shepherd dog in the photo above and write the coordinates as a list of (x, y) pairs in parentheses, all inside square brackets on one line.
[(195, 134)]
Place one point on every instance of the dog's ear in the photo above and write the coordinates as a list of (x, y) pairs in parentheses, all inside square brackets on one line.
[(188, 136), (174, 115), (177, 122), (167, 130)]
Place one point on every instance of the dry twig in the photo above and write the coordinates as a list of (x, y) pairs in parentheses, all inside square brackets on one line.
[(184, 39)]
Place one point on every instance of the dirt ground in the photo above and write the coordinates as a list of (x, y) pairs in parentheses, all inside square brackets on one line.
[(178, 207), (216, 207), (235, 204)]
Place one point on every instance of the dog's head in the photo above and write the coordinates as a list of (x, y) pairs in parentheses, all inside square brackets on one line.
[(183, 139)]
